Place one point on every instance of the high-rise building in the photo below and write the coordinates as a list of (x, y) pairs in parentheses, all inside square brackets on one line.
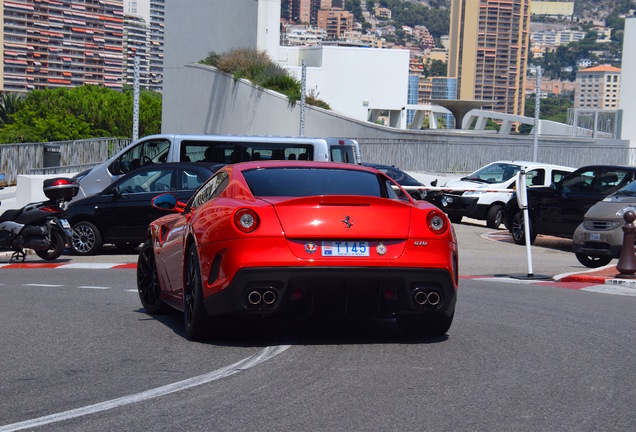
[(598, 87), (61, 43), (156, 25), (488, 51)]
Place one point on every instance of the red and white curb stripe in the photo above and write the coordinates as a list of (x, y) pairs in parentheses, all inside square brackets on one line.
[(49, 265), (608, 287)]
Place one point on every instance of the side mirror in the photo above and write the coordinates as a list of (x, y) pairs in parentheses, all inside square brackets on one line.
[(168, 202)]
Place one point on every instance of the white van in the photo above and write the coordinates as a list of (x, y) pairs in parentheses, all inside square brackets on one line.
[(223, 149), (484, 193)]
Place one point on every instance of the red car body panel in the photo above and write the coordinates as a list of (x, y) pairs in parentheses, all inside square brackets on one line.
[(289, 238)]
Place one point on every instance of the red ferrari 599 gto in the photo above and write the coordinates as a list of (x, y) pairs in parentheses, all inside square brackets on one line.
[(303, 239)]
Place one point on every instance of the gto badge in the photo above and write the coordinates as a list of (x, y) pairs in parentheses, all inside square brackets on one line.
[(380, 249), (347, 222), (420, 243), (310, 247)]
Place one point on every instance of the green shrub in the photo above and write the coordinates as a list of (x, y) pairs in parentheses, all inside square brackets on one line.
[(257, 67)]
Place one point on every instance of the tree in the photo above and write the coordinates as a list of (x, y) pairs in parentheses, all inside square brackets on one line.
[(9, 104), (82, 112)]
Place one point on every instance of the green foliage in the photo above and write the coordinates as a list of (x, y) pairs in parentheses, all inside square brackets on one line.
[(9, 104), (81, 112), (436, 18), (257, 67), (551, 108), (435, 68)]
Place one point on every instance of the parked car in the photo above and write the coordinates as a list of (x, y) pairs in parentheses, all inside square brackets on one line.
[(599, 238), (301, 239), (154, 149), (402, 178), (121, 213), (484, 193), (558, 210)]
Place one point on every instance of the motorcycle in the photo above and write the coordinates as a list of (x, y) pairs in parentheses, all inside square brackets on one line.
[(39, 226)]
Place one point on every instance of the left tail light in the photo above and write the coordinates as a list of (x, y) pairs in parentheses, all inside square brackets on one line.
[(437, 222), (246, 220)]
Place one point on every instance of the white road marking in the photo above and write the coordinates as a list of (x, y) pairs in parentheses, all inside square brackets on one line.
[(97, 266), (132, 290), (43, 285), (93, 287), (611, 289), (223, 372)]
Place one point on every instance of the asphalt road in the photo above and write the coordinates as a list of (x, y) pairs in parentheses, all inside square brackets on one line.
[(79, 353)]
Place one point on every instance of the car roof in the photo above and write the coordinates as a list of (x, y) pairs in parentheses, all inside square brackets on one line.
[(242, 166), (529, 164)]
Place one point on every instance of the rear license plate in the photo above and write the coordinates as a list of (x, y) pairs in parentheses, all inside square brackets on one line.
[(65, 224), (345, 248)]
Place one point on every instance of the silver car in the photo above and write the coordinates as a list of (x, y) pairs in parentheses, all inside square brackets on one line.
[(599, 238)]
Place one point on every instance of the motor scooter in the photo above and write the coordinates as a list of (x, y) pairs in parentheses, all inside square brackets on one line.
[(39, 225)]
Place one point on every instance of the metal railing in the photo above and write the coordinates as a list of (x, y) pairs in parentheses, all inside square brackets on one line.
[(56, 157)]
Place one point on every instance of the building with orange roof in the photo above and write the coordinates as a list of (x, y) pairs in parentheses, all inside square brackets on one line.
[(598, 87)]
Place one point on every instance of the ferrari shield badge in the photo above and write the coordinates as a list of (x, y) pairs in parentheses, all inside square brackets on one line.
[(310, 247)]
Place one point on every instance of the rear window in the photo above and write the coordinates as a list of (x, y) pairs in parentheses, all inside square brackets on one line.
[(299, 182), (343, 153)]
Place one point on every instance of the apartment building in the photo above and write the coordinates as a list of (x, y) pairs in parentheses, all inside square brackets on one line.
[(61, 43), (598, 87), (488, 51), (335, 22)]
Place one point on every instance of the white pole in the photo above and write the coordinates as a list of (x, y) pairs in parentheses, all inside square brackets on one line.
[(135, 131), (303, 84), (522, 201), (537, 110)]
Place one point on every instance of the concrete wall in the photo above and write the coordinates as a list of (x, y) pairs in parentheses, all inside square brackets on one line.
[(213, 102), (195, 28), (352, 80)]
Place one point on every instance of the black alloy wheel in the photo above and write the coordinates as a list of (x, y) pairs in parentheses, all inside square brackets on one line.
[(148, 281), (593, 261), (86, 239), (518, 230), (55, 249), (194, 315)]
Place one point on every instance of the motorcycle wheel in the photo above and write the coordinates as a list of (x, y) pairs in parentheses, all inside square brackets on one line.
[(56, 249)]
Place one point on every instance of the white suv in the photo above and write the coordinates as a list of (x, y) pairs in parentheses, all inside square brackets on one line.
[(484, 193)]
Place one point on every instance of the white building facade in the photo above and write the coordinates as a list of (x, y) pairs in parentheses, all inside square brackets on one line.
[(362, 83)]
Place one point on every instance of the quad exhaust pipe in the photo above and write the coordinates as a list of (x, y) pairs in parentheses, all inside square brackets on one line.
[(265, 297), (424, 297)]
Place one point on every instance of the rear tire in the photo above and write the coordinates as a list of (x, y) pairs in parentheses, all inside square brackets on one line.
[(194, 316), (56, 249), (494, 216), (426, 324), (148, 281), (455, 218), (593, 262), (518, 229)]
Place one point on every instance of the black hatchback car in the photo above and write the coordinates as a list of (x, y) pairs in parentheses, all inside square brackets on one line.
[(558, 210), (400, 177), (121, 213)]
